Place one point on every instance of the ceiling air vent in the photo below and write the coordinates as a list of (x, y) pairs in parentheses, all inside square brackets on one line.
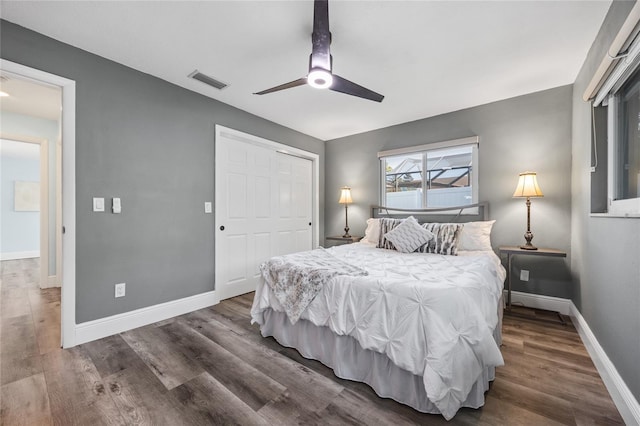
[(197, 75)]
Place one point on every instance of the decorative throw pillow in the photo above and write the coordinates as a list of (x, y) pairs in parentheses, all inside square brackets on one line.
[(445, 240), (408, 236), (386, 225), (372, 233), (476, 236)]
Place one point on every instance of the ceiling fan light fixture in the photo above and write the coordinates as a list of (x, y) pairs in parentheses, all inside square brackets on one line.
[(320, 78)]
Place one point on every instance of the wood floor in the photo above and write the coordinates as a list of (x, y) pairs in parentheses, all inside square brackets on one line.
[(212, 367)]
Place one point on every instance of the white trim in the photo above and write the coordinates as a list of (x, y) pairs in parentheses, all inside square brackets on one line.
[(539, 301), (14, 255), (68, 272), (58, 207), (623, 398), (618, 215), (104, 327), (430, 146)]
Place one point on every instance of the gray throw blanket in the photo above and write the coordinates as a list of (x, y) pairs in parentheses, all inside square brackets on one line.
[(296, 279)]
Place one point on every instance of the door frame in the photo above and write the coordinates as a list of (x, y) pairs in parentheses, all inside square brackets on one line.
[(44, 199), (67, 168), (222, 131)]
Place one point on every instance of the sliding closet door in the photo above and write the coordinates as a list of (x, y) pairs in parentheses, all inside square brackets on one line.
[(263, 208), (294, 204)]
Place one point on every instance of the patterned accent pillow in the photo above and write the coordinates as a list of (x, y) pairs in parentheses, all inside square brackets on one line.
[(445, 241), (408, 236), (386, 225)]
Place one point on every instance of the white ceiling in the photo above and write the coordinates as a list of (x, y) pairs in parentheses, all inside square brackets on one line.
[(426, 57)]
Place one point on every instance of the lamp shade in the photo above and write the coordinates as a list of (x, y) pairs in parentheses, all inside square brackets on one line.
[(528, 186), (345, 195)]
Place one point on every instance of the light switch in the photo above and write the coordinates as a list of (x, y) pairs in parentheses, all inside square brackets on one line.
[(207, 207), (116, 206), (98, 204)]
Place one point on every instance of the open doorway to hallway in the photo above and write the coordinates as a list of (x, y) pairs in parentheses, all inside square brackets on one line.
[(30, 254)]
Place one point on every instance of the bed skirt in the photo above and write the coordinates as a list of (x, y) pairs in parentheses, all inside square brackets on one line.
[(350, 361)]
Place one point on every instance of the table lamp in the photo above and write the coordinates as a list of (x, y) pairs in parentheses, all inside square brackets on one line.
[(345, 198), (528, 187)]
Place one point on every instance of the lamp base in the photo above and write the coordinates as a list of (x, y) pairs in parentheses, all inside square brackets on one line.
[(346, 233), (529, 247), (528, 236)]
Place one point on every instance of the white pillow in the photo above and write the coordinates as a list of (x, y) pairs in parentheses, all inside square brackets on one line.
[(476, 236), (408, 236), (372, 233)]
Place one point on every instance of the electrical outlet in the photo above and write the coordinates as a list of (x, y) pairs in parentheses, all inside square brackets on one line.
[(120, 289), (524, 275)]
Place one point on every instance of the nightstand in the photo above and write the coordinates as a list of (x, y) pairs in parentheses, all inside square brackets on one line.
[(344, 240), (517, 251)]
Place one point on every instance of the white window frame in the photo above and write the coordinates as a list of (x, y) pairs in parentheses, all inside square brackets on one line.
[(630, 206), (473, 141)]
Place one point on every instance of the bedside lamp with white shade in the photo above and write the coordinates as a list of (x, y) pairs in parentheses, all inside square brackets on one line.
[(345, 198), (528, 188)]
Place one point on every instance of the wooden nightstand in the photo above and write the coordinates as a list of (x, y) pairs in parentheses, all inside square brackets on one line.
[(517, 251), (344, 240)]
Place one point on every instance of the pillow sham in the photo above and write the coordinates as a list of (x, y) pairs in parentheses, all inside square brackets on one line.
[(476, 236), (445, 240), (386, 225), (372, 233), (408, 236)]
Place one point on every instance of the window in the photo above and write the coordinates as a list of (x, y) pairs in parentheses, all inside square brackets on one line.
[(442, 174), (624, 147), (620, 93)]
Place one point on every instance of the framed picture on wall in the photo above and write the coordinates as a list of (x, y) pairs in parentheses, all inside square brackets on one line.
[(27, 196)]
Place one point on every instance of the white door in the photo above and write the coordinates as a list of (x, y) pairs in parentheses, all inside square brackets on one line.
[(263, 208), (294, 204)]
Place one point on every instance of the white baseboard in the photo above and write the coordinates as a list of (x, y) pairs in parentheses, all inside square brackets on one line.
[(19, 255), (51, 282), (103, 327), (623, 398), (540, 301), (620, 394)]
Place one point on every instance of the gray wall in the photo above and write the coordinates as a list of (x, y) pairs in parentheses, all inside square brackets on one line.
[(606, 251), (531, 132), (25, 125), (151, 144)]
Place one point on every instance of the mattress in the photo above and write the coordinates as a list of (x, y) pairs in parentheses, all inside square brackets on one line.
[(432, 316)]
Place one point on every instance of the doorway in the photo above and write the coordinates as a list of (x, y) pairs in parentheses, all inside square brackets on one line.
[(61, 148), (24, 204)]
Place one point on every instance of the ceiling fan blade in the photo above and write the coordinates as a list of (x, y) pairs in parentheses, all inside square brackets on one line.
[(321, 37), (343, 85), (289, 85)]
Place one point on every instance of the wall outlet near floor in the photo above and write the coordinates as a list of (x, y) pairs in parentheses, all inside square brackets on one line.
[(524, 275), (120, 289)]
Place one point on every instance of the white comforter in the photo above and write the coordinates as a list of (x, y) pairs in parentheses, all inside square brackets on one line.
[(432, 315)]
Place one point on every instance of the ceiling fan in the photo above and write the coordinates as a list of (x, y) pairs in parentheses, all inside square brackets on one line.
[(320, 61)]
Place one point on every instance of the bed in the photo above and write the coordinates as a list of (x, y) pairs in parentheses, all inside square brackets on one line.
[(422, 328)]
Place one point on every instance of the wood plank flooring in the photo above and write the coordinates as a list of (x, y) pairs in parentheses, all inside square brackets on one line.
[(212, 367)]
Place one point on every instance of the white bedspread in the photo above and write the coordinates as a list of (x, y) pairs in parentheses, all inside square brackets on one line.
[(432, 315)]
